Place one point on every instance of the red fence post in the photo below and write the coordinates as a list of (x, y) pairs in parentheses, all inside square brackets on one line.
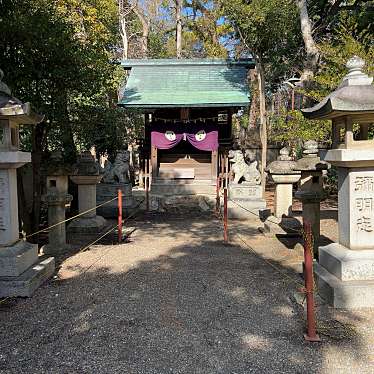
[(225, 235), (218, 201), (147, 193), (311, 334), (119, 216)]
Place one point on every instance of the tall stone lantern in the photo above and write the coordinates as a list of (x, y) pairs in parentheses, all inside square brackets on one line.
[(21, 272), (345, 272), (57, 198)]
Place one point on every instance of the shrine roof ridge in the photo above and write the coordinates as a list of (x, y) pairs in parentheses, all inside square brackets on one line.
[(245, 62)]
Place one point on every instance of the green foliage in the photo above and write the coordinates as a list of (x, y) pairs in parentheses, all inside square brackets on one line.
[(335, 54), (269, 30), (56, 55), (292, 128)]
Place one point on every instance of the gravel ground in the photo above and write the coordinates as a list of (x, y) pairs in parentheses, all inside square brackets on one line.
[(177, 300)]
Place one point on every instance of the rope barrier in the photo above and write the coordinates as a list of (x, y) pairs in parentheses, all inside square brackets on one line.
[(113, 228), (308, 240), (105, 234), (71, 218), (274, 223)]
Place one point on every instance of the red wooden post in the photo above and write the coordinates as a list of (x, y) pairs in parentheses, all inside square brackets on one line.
[(311, 334), (218, 201), (225, 235), (119, 216), (147, 192)]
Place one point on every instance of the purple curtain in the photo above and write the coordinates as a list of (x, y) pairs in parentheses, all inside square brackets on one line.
[(201, 135), (160, 140)]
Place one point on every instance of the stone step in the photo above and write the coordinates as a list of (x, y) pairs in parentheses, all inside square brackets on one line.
[(182, 181), (343, 294), (182, 189), (25, 284)]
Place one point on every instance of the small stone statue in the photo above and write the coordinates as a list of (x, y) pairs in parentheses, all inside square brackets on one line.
[(119, 172), (242, 170)]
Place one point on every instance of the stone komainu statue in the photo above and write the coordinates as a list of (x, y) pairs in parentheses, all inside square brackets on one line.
[(119, 171), (242, 170)]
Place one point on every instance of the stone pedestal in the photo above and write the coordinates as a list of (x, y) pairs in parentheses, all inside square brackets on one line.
[(90, 221), (116, 177), (245, 201), (21, 272), (108, 191), (56, 213)]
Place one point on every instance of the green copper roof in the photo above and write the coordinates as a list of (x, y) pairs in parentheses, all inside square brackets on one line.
[(186, 83)]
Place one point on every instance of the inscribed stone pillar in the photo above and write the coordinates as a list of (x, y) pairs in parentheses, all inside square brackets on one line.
[(21, 272), (345, 272)]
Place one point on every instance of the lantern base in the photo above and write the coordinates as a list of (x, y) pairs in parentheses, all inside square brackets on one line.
[(25, 284)]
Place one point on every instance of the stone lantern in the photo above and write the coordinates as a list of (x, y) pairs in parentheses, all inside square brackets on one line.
[(21, 272), (284, 176), (311, 191), (87, 175), (345, 272), (57, 198)]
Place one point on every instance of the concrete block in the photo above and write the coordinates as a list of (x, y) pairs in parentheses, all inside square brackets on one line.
[(245, 209), (343, 294), (87, 224), (15, 259), (25, 284), (346, 264)]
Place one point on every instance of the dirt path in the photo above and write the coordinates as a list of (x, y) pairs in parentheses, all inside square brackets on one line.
[(176, 300)]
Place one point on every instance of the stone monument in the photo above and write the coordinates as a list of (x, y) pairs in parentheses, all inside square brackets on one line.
[(21, 271), (284, 176), (116, 176), (86, 174), (57, 198), (311, 191), (345, 271), (245, 191)]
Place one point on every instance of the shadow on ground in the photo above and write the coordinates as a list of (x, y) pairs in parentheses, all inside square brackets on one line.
[(196, 306)]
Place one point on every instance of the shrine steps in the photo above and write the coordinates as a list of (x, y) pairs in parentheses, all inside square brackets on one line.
[(170, 187)]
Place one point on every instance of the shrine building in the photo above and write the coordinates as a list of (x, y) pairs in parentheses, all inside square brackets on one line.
[(188, 107)]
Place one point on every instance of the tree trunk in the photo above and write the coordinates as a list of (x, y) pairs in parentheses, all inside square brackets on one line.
[(263, 128), (178, 17), (145, 30), (312, 54), (125, 40), (38, 134)]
